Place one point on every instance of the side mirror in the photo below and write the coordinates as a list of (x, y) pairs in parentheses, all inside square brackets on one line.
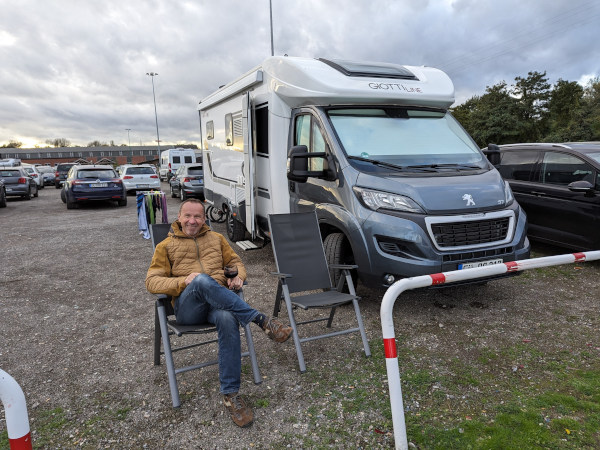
[(493, 154), (581, 186), (298, 157)]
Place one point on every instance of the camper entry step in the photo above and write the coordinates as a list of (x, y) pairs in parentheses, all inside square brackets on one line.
[(247, 245)]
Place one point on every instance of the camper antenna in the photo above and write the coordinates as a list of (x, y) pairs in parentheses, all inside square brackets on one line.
[(271, 14)]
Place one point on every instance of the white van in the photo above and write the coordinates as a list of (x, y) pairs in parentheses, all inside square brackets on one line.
[(171, 159), (399, 187)]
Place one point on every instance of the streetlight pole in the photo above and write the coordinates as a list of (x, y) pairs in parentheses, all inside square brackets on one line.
[(271, 15), (153, 74), (128, 130)]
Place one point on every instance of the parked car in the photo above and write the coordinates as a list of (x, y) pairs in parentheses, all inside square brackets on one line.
[(18, 183), (60, 175), (558, 186), (2, 194), (35, 174), (188, 182), (92, 182), (10, 162), (47, 174), (141, 177)]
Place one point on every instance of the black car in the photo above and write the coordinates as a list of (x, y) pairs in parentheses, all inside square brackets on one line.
[(60, 175), (18, 182), (188, 182), (92, 182), (558, 186), (2, 194)]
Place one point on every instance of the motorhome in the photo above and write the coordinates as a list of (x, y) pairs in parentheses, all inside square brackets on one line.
[(171, 159), (399, 187)]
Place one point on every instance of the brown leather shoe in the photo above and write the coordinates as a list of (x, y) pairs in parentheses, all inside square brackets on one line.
[(240, 413), (276, 330)]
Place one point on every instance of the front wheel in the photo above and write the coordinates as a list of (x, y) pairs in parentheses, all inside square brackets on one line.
[(235, 228), (338, 251)]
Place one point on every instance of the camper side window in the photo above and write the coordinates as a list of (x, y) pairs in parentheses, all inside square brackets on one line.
[(210, 130), (308, 133), (229, 129)]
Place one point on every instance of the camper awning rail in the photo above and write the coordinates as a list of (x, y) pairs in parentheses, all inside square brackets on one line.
[(246, 82)]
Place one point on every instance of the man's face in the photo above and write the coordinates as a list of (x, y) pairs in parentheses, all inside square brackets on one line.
[(191, 218)]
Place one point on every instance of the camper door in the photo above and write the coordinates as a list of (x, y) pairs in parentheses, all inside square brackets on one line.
[(248, 168)]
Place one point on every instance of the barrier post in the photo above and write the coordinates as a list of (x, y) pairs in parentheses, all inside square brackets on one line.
[(387, 319), (15, 410)]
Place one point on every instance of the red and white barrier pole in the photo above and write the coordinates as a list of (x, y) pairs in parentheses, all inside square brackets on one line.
[(387, 319), (15, 410)]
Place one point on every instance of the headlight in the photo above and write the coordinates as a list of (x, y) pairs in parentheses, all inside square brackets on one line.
[(378, 199), (508, 195)]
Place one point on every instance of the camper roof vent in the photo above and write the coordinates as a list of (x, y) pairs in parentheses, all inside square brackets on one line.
[(372, 70)]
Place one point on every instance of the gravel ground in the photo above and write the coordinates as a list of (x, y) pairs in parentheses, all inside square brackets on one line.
[(77, 331)]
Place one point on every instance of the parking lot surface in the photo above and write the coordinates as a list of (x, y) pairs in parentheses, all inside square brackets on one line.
[(77, 331)]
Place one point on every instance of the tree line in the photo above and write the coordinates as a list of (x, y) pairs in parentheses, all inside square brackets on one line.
[(532, 110)]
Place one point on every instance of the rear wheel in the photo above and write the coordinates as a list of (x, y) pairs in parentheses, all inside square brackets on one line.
[(338, 251), (235, 228), (72, 205), (182, 195), (2, 199), (36, 191), (62, 196), (28, 195), (172, 192), (122, 202)]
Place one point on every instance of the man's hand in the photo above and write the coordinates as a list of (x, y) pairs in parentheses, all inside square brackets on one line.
[(235, 283), (191, 277)]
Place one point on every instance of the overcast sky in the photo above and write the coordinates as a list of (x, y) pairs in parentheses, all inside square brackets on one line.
[(77, 69)]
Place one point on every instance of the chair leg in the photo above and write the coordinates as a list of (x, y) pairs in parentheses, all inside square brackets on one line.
[(361, 327), (288, 304), (331, 314), (278, 296), (162, 317), (252, 352), (157, 338)]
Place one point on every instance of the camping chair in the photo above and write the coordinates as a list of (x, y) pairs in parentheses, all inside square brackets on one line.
[(165, 328), (301, 267)]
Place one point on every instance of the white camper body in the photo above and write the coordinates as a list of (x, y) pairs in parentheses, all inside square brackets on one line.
[(172, 159), (250, 126)]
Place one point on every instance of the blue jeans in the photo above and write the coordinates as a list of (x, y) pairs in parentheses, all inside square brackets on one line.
[(204, 300)]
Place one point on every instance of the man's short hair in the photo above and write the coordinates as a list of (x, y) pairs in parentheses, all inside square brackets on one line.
[(192, 200)]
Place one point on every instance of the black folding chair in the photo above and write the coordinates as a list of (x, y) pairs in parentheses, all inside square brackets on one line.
[(302, 267), (165, 328)]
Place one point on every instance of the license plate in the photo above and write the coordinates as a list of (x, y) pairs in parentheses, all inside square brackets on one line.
[(490, 262), (8, 189), (142, 185), (196, 182), (95, 185)]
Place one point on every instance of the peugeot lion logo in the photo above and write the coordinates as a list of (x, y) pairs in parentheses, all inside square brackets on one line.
[(469, 199)]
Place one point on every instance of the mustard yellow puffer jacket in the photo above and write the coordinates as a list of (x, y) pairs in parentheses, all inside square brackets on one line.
[(179, 255)]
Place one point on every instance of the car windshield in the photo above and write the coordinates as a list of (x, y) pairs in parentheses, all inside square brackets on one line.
[(96, 173), (595, 156), (140, 171), (406, 139), (195, 171)]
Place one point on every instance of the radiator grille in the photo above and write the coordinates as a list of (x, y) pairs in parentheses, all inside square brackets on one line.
[(464, 234)]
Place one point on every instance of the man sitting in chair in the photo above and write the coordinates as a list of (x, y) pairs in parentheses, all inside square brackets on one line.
[(189, 266)]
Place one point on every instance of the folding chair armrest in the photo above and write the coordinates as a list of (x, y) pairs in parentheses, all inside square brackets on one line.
[(162, 297), (282, 275), (343, 266)]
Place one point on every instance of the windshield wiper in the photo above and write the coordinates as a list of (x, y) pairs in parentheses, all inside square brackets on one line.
[(377, 163), (445, 166)]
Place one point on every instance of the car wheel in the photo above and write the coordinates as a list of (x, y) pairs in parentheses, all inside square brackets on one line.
[(173, 192), (235, 229), (57, 185), (41, 186), (63, 196), (72, 205), (122, 202), (36, 191), (338, 251), (3, 199), (182, 195), (28, 195)]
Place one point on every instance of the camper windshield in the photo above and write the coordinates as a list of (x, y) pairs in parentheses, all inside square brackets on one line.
[(406, 139)]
